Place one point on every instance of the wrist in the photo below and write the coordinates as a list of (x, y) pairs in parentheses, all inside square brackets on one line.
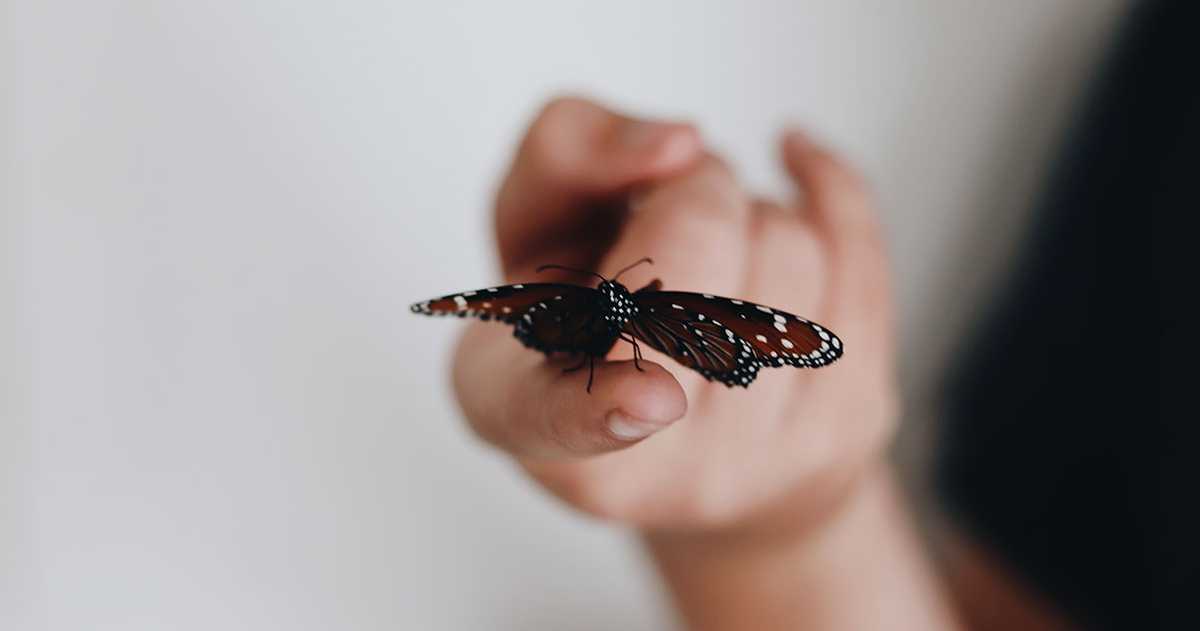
[(797, 514), (859, 565), (786, 523)]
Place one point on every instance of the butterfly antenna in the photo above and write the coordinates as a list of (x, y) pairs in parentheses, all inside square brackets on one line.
[(633, 265), (570, 269)]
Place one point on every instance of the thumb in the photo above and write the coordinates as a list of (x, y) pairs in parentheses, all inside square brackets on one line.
[(518, 401)]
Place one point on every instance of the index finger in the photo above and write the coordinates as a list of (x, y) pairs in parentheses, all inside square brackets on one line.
[(576, 152)]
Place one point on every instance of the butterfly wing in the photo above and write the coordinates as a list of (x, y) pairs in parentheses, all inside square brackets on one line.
[(506, 303), (548, 317), (729, 340), (693, 339)]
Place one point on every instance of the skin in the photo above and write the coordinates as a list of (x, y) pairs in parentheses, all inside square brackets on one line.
[(768, 508)]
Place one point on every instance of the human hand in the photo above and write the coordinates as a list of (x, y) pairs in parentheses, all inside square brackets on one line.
[(664, 449)]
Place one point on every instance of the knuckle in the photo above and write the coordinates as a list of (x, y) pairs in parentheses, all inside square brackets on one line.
[(558, 115), (879, 416), (712, 176), (550, 142), (701, 196), (688, 230), (713, 166), (563, 106)]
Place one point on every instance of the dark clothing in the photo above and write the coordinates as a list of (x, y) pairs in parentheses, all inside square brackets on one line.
[(1063, 448)]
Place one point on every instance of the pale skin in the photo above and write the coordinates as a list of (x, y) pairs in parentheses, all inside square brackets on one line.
[(767, 508)]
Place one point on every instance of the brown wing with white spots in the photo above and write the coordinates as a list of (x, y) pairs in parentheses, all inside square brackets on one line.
[(695, 340), (729, 340), (548, 317), (506, 303)]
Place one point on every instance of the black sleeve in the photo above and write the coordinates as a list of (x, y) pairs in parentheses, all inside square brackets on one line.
[(1063, 446)]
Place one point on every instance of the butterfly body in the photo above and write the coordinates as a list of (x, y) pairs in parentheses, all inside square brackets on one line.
[(724, 339), (590, 325)]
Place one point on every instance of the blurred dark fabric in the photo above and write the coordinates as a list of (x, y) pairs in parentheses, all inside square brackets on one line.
[(1063, 446)]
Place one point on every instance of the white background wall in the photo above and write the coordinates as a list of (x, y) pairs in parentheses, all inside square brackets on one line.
[(217, 412)]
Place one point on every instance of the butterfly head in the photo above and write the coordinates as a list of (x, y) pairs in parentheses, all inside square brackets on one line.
[(619, 306)]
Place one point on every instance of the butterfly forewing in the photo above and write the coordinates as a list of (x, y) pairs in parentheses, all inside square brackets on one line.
[(695, 343), (547, 316), (695, 340), (744, 336), (506, 303)]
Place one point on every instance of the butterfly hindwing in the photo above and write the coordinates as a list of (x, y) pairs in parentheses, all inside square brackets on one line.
[(695, 340)]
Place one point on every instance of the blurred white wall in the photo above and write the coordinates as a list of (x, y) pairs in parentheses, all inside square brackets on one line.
[(217, 411)]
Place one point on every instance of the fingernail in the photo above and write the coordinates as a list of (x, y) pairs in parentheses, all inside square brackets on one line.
[(626, 427)]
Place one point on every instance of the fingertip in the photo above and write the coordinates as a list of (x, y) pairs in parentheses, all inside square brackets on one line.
[(814, 164), (652, 394), (644, 402), (794, 146), (552, 414), (795, 141), (680, 146), (653, 149)]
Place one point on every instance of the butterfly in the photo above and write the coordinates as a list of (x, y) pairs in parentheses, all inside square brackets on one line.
[(724, 339)]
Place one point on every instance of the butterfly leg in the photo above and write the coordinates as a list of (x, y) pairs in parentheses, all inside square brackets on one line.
[(575, 367), (637, 352), (590, 360)]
